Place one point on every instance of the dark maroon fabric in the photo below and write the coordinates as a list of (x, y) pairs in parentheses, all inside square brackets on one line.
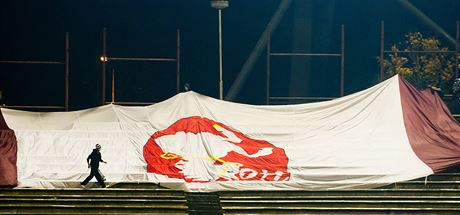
[(433, 132), (8, 155)]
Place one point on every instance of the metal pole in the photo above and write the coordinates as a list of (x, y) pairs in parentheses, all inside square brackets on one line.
[(67, 71), (33, 106), (422, 52), (342, 62), (113, 85), (306, 54), (178, 61), (138, 59), (382, 47), (221, 82), (31, 62), (104, 60), (457, 45), (267, 101)]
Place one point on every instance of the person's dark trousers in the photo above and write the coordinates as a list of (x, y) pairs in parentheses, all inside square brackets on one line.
[(94, 172)]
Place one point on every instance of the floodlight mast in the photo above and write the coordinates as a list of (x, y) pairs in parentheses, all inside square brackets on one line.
[(219, 5)]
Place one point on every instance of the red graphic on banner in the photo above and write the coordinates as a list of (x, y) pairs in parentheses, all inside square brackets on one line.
[(198, 149)]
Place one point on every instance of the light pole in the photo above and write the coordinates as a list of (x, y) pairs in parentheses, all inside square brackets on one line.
[(219, 5)]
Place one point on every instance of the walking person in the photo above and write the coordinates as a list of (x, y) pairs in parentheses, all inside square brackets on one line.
[(95, 158)]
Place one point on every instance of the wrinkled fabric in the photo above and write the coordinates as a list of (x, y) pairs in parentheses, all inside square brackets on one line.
[(8, 152), (198, 143), (433, 132)]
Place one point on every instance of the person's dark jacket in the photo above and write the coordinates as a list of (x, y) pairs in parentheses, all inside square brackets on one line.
[(95, 158)]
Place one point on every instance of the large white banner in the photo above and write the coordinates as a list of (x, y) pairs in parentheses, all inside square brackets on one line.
[(198, 143)]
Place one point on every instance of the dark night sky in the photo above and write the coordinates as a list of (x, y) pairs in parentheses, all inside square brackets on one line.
[(34, 30)]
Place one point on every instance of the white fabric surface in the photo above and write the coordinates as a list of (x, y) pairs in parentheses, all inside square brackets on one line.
[(357, 141)]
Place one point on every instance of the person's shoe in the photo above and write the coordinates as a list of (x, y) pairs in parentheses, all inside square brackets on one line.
[(84, 186)]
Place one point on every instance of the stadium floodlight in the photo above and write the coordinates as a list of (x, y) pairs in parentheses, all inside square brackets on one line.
[(104, 58), (219, 5)]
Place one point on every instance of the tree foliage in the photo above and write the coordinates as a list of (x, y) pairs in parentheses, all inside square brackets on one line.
[(423, 61)]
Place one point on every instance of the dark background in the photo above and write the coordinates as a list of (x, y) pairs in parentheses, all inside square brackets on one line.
[(34, 30)]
